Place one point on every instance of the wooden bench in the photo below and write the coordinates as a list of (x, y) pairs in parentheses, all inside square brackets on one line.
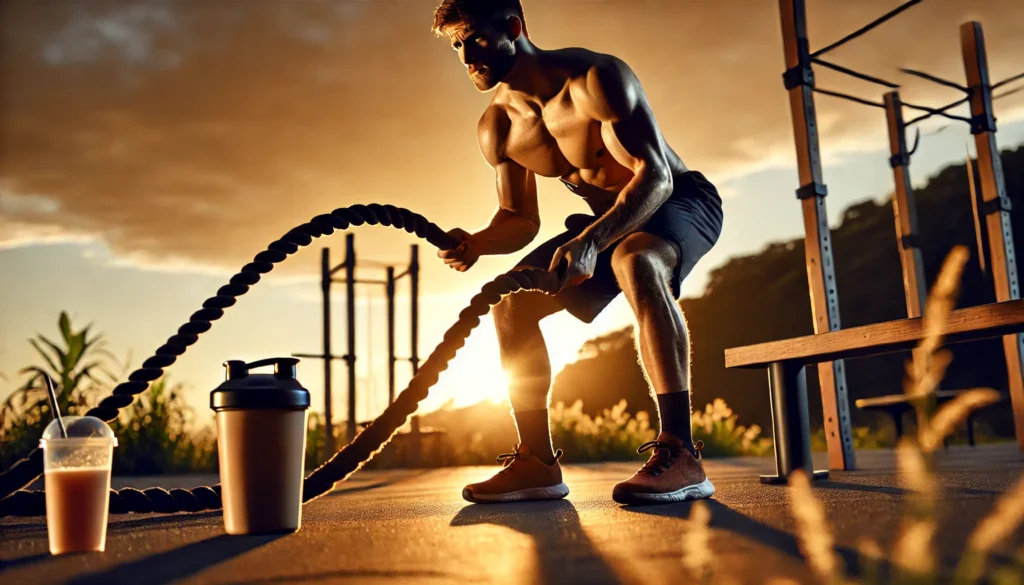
[(786, 359), (897, 405)]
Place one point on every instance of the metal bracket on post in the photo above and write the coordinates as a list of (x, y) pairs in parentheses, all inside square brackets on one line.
[(995, 205), (910, 241), (812, 190), (899, 160), (984, 122)]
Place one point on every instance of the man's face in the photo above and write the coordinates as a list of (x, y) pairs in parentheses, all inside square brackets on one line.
[(486, 51)]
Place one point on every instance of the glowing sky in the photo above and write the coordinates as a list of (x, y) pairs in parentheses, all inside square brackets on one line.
[(151, 149)]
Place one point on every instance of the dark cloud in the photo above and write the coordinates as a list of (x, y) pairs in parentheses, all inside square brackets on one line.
[(204, 130)]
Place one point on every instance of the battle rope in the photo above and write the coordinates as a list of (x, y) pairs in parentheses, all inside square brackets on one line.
[(373, 439)]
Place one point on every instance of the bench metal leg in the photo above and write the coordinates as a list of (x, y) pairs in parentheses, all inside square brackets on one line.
[(897, 419), (970, 429), (790, 423)]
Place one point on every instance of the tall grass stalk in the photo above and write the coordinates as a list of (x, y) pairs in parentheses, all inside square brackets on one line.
[(815, 538), (913, 552), (697, 555)]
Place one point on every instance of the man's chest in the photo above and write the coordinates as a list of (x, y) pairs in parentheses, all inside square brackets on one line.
[(555, 140)]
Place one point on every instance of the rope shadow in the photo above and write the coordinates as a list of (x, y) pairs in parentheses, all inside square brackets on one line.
[(179, 563), (564, 551)]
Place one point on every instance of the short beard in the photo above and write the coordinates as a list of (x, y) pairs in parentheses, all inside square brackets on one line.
[(485, 80), (495, 72)]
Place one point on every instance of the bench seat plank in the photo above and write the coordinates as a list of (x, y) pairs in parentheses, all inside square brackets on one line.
[(967, 324)]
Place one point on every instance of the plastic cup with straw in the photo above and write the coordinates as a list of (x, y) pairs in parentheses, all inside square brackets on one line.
[(77, 456)]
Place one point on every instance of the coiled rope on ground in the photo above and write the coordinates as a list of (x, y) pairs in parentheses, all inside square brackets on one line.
[(16, 501)]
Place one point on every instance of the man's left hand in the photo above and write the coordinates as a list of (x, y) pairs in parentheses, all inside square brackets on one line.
[(581, 255)]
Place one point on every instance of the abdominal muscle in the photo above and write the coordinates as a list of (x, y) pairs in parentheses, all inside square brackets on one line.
[(600, 187)]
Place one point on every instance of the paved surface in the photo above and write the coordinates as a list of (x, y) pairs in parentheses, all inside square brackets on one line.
[(413, 527)]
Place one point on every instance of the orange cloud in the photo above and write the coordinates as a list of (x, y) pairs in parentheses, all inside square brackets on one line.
[(204, 131)]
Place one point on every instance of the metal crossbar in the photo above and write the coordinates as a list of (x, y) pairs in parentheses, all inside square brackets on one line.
[(1008, 80), (1006, 93), (847, 96), (933, 111), (933, 79), (856, 74), (865, 28), (938, 111)]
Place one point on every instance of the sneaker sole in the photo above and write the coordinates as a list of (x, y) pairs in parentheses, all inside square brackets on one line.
[(554, 492), (700, 491)]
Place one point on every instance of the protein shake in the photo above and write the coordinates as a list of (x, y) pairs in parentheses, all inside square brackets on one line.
[(77, 484)]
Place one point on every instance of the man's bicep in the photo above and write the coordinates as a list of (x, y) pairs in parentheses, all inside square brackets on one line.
[(517, 190), (516, 186)]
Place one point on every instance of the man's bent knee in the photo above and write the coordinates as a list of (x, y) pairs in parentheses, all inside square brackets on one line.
[(643, 260), (522, 309)]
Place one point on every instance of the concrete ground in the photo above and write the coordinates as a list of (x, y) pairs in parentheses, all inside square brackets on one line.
[(413, 527)]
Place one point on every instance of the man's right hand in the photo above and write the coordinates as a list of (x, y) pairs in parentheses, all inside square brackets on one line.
[(463, 257)]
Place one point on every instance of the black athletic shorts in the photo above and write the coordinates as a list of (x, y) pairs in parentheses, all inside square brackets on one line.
[(691, 220)]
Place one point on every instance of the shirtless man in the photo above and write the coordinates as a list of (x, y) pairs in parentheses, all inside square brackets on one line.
[(583, 117)]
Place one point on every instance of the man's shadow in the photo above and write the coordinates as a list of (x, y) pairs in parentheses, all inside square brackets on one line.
[(565, 554), (725, 518)]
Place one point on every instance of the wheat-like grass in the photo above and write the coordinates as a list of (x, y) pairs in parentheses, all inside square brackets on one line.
[(697, 555), (912, 551), (815, 538), (1006, 516), (871, 558), (952, 414)]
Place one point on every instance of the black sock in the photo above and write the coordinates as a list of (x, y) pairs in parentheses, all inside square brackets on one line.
[(535, 434), (674, 408)]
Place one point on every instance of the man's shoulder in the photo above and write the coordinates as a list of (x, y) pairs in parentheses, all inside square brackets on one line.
[(492, 130), (583, 62)]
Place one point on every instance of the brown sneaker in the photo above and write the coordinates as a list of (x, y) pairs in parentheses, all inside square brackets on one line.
[(672, 474), (524, 477)]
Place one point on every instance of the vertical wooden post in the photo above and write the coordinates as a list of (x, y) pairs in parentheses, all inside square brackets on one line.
[(995, 206), (799, 81), (325, 284), (904, 209)]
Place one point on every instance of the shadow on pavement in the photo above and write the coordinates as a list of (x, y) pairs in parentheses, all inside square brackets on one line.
[(341, 490), (178, 563), (895, 491), (28, 560), (353, 574), (725, 518), (157, 520), (565, 552)]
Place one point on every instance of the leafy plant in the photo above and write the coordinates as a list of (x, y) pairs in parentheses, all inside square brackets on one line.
[(78, 363), (157, 434)]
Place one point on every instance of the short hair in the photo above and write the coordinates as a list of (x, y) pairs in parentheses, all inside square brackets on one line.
[(453, 13)]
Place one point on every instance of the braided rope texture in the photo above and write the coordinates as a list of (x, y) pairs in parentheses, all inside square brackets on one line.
[(367, 444)]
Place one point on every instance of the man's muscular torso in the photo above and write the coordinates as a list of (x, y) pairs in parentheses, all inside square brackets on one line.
[(554, 132)]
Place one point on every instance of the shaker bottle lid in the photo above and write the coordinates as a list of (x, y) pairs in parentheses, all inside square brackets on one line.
[(244, 390), (81, 429)]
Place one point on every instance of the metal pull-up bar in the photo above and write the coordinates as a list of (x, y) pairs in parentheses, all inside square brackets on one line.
[(865, 28), (350, 280)]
